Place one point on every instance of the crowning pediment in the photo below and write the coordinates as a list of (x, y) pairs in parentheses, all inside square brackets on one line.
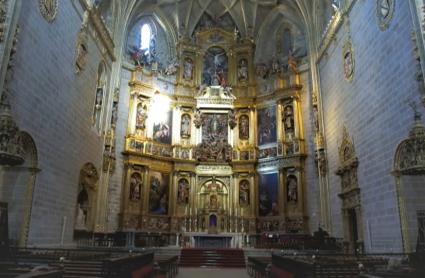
[(215, 36)]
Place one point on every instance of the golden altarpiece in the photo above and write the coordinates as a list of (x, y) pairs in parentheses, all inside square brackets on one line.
[(217, 156)]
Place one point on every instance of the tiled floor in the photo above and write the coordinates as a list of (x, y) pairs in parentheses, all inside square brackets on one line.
[(212, 273)]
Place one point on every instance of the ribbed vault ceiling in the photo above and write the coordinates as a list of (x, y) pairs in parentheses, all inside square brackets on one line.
[(247, 14)]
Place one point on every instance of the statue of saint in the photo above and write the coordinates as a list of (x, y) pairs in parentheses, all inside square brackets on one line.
[(185, 125), (80, 219)]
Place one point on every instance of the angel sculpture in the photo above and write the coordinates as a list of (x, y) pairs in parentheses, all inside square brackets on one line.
[(140, 57), (172, 66), (291, 60), (202, 89)]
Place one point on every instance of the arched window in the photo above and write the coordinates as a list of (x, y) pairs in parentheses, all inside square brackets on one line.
[(145, 37)]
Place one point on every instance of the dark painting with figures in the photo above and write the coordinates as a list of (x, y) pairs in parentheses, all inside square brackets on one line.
[(266, 125), (268, 194), (215, 67), (215, 127), (159, 185), (162, 126)]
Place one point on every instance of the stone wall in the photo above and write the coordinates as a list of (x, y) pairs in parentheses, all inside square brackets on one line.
[(375, 111), (54, 105)]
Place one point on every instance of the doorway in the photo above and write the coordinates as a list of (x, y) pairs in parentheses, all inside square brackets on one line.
[(353, 232)]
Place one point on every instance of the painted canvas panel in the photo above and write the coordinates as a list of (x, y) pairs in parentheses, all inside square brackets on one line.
[(268, 194), (162, 131), (215, 127), (266, 118), (159, 185)]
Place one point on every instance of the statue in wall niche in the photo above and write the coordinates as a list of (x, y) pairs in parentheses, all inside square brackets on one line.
[(188, 69), (243, 127), (80, 219), (243, 70), (114, 116), (316, 119), (135, 186), (288, 118), (291, 183), (244, 193), (142, 115), (185, 125)]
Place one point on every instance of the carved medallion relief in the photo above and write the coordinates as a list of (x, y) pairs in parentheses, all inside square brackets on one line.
[(384, 12), (49, 9)]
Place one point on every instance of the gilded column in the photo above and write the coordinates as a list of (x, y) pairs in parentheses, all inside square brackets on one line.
[(252, 194), (131, 126), (253, 127), (173, 193), (125, 186), (279, 128), (282, 191), (297, 117), (300, 188), (145, 204), (194, 190)]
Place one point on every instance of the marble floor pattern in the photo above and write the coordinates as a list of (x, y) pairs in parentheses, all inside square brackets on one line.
[(212, 273)]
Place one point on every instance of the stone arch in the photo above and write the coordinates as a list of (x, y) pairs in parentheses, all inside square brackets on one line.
[(409, 169), (86, 202), (18, 185), (213, 198), (31, 161)]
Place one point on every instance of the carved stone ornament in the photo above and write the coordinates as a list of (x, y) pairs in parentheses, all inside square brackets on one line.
[(81, 50), (49, 9), (11, 148), (348, 59), (3, 15), (347, 156), (214, 151), (384, 12), (410, 154)]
